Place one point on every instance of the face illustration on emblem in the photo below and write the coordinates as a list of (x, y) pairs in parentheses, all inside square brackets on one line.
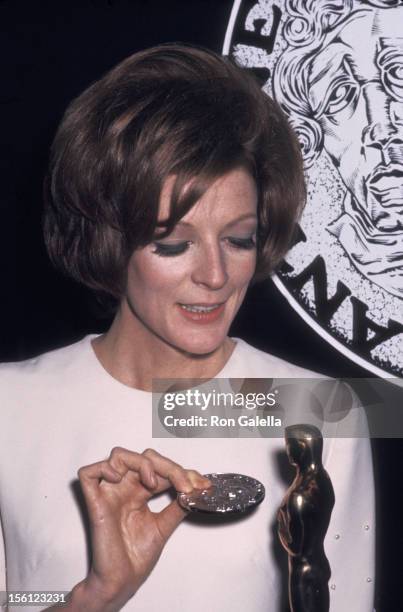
[(336, 69), (340, 80)]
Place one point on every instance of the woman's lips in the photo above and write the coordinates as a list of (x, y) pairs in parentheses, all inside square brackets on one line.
[(202, 317)]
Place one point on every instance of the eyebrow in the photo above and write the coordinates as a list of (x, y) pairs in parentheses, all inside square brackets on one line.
[(233, 222)]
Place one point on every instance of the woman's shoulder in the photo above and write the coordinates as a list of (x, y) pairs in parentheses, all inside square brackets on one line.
[(253, 362), (50, 366)]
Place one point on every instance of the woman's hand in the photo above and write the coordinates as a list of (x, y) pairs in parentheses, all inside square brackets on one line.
[(127, 538)]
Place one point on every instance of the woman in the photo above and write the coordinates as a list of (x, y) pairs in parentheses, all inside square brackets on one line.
[(174, 183)]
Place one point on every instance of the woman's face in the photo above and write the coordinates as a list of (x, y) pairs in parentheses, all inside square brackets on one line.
[(187, 288)]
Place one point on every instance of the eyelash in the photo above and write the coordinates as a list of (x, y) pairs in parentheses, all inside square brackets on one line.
[(172, 250)]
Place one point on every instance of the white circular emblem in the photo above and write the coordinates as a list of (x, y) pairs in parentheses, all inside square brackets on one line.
[(336, 69)]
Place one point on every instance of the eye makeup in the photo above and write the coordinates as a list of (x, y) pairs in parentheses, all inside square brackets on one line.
[(170, 250), (173, 249), (243, 243)]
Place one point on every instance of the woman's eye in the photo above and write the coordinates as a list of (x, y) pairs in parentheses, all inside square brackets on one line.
[(170, 250), (177, 248), (242, 243)]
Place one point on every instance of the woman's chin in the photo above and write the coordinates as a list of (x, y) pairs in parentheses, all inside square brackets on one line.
[(203, 345)]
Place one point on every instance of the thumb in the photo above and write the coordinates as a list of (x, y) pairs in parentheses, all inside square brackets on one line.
[(169, 518)]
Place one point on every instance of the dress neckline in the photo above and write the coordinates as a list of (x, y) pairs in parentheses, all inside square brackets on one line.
[(111, 380)]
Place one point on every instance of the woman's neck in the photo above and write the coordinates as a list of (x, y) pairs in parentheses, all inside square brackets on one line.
[(133, 355)]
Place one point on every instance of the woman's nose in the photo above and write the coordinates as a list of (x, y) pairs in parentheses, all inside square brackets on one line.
[(210, 268)]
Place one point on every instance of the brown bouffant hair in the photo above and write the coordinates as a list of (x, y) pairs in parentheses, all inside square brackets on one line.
[(172, 110)]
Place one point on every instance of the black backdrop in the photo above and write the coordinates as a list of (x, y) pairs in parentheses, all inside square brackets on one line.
[(49, 52)]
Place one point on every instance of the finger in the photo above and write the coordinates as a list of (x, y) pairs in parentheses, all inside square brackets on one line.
[(169, 518), (198, 480), (123, 461), (90, 476), (170, 471)]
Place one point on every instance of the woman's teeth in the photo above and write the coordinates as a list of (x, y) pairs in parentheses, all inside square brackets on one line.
[(199, 308)]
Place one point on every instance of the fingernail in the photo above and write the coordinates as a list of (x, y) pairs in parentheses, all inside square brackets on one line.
[(189, 487)]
